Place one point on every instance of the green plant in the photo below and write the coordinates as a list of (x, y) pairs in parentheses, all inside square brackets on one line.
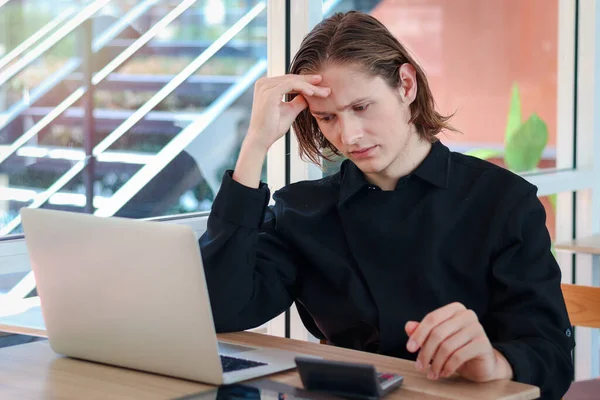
[(524, 141)]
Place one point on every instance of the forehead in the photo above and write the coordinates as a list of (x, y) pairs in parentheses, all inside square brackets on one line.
[(347, 83), (345, 77)]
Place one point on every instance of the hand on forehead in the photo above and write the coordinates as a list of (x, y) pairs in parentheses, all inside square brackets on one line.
[(348, 86)]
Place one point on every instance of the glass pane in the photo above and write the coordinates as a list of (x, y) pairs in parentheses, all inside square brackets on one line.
[(169, 118), (33, 18), (549, 202), (489, 63)]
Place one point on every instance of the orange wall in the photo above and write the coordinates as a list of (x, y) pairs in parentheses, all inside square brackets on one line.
[(472, 52)]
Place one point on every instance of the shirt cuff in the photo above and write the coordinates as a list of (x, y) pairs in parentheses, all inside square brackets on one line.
[(241, 205), (517, 359)]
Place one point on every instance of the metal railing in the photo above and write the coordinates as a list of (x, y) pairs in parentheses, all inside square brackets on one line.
[(52, 40), (181, 141), (139, 114), (189, 133), (177, 144), (36, 37), (49, 83), (96, 79), (142, 177), (3, 2)]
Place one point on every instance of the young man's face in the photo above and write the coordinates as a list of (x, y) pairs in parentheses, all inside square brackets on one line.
[(365, 119)]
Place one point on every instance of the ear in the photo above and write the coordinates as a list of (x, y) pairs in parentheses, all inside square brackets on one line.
[(407, 87)]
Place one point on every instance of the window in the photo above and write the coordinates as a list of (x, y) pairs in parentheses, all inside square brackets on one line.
[(171, 99), (492, 64)]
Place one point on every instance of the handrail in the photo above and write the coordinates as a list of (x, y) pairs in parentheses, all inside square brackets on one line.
[(75, 154), (181, 141), (193, 131), (185, 137), (179, 79), (52, 40), (97, 78), (34, 95), (36, 37), (41, 198), (141, 41), (113, 31)]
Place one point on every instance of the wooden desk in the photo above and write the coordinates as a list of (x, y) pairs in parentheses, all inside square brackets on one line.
[(586, 245), (34, 371)]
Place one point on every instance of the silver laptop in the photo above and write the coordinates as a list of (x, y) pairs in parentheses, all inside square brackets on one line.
[(132, 293)]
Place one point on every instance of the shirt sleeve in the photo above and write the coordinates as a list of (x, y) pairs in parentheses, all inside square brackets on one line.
[(250, 272), (529, 323)]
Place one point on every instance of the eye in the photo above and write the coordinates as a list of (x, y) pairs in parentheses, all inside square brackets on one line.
[(361, 107), (328, 118)]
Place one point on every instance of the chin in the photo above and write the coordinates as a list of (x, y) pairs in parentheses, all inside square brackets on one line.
[(369, 166)]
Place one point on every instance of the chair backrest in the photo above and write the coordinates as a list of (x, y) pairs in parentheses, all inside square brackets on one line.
[(583, 304)]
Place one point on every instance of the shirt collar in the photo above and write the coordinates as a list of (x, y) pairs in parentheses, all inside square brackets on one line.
[(434, 169)]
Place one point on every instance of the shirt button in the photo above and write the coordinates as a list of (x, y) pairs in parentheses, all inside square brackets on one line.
[(372, 188), (568, 332)]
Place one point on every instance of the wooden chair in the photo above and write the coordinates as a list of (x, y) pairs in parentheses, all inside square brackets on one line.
[(583, 306)]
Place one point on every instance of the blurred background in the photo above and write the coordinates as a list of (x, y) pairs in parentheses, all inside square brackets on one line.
[(135, 108)]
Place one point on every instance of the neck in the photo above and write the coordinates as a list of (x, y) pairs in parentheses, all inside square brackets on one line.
[(413, 154)]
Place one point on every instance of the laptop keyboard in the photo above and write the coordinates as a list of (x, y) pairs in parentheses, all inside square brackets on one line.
[(235, 364)]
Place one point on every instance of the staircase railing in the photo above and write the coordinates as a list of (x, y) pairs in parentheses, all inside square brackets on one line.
[(52, 40), (49, 83), (96, 79), (139, 114), (181, 141), (185, 137), (177, 144), (36, 37), (127, 191)]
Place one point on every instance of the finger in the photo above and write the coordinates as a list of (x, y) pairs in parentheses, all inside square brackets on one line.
[(314, 79), (438, 336), (471, 350), (296, 105), (322, 91), (410, 327), (319, 91), (450, 346), (270, 83), (431, 320), (305, 88)]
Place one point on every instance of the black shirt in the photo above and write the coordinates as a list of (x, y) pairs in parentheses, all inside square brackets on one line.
[(360, 262)]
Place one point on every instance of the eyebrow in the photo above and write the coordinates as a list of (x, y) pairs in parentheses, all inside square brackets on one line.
[(355, 102)]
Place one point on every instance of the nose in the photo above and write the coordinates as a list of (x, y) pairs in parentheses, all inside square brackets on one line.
[(350, 131)]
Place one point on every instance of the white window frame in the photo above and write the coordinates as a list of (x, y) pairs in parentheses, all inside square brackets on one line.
[(587, 205), (304, 15), (276, 158)]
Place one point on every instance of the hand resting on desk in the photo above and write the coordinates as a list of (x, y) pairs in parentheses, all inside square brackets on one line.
[(451, 339)]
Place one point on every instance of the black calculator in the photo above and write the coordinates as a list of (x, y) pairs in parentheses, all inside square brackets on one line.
[(344, 379)]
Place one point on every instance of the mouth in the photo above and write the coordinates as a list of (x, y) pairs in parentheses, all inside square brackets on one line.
[(363, 152)]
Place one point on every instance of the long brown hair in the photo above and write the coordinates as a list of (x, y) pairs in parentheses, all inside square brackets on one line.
[(355, 38)]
